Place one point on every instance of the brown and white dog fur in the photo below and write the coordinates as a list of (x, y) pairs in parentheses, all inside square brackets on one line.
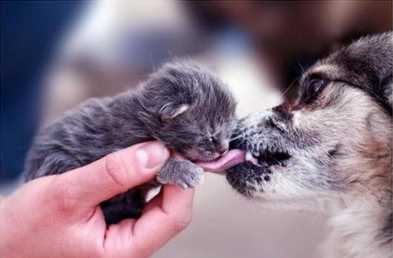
[(334, 145)]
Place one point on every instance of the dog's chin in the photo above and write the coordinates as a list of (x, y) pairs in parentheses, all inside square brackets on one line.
[(270, 186), (248, 178), (268, 197)]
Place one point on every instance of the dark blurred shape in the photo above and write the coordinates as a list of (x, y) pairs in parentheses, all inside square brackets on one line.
[(30, 31), (292, 35)]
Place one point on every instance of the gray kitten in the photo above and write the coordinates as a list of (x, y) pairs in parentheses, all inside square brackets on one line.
[(182, 105)]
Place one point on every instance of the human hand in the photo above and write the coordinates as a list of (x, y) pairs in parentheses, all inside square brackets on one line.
[(59, 216)]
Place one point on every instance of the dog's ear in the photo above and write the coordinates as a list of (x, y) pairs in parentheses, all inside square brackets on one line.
[(171, 110), (367, 64), (384, 89)]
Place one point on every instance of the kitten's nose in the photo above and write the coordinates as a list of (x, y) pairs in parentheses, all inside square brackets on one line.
[(223, 148), (222, 152)]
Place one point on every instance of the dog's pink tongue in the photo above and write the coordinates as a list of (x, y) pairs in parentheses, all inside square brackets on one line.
[(230, 159)]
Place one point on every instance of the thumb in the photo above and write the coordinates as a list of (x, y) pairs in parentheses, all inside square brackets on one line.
[(115, 173)]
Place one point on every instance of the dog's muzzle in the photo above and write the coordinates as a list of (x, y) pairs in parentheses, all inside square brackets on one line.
[(265, 137)]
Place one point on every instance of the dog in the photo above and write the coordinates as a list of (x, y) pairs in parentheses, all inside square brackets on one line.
[(333, 145)]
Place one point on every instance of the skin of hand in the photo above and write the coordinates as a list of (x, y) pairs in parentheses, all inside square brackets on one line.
[(59, 216)]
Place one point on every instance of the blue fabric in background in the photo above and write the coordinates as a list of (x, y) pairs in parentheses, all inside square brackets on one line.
[(29, 33)]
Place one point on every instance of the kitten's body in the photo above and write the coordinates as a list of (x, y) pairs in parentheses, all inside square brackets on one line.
[(181, 105)]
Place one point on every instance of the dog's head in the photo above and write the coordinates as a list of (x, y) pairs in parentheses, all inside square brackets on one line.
[(337, 137)]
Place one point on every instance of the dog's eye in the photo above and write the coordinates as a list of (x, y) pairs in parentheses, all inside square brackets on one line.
[(313, 88)]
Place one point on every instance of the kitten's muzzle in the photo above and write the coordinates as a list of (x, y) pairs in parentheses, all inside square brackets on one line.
[(229, 159), (223, 148)]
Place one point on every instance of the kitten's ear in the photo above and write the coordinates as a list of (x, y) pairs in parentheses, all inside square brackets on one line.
[(172, 110)]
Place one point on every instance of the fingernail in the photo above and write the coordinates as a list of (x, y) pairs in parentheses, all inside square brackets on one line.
[(151, 155)]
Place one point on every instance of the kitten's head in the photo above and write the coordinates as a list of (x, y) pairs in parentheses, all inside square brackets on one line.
[(188, 109)]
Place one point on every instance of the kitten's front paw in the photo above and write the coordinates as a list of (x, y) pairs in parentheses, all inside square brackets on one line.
[(183, 173)]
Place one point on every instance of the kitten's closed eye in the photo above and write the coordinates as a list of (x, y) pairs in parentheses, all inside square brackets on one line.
[(213, 140)]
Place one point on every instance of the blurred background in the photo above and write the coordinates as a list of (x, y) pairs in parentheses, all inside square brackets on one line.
[(55, 54)]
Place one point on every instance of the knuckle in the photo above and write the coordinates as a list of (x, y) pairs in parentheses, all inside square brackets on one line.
[(116, 170), (179, 223)]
